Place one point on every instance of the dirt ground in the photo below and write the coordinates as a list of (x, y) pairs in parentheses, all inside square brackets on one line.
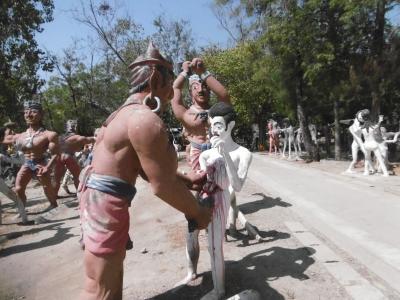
[(45, 261)]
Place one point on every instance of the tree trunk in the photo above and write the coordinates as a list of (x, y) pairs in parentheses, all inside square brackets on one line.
[(311, 149), (338, 146), (308, 144), (375, 105), (328, 136), (377, 50)]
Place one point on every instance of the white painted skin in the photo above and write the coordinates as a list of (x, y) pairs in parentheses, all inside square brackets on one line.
[(357, 144), (289, 140), (6, 191), (237, 160), (374, 142), (299, 139)]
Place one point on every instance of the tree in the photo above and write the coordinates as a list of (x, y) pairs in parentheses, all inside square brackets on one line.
[(20, 56), (330, 57), (242, 71), (174, 38)]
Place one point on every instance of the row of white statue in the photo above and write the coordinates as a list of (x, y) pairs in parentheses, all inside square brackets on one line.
[(370, 138), (292, 138)]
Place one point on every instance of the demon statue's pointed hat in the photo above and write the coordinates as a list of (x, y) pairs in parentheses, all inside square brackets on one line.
[(151, 57), (144, 67)]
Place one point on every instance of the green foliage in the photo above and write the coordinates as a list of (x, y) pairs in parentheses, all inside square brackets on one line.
[(20, 57), (238, 70)]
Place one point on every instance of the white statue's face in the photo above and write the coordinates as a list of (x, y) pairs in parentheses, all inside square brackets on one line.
[(218, 127), (360, 117)]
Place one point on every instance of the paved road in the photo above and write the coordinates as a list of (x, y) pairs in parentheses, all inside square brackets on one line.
[(358, 215), (319, 242)]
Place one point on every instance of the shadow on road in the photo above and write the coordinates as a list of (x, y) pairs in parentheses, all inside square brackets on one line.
[(263, 203), (60, 236), (29, 203), (254, 271), (267, 237)]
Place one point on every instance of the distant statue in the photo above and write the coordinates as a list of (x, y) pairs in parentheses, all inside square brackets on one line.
[(313, 133), (375, 142), (255, 130), (6, 191), (289, 138), (299, 139), (356, 131), (273, 132), (70, 143)]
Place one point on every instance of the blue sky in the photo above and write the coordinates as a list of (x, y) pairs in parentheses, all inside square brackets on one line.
[(60, 33)]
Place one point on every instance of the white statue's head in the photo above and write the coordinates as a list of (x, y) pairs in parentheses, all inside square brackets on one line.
[(222, 118), (362, 115), (71, 125)]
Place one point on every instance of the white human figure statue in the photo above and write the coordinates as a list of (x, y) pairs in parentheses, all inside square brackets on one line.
[(357, 144), (313, 133), (386, 138), (374, 142), (236, 161), (6, 191), (289, 139), (298, 139), (256, 135)]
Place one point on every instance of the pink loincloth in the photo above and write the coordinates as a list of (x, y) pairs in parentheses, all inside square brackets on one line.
[(104, 218), (194, 155), (105, 221)]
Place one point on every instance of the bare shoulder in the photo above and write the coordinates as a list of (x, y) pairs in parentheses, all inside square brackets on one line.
[(51, 135), (145, 127), (13, 137)]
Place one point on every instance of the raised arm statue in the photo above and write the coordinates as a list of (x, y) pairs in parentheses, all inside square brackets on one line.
[(356, 131)]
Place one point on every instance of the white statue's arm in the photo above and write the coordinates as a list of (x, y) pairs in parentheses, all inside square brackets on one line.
[(219, 145), (357, 138), (237, 176), (204, 156), (394, 140), (380, 120)]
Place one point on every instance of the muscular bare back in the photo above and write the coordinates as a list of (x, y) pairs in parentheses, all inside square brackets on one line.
[(117, 144)]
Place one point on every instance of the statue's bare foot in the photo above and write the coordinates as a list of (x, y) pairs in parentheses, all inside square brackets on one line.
[(233, 232), (40, 220), (16, 217), (213, 295), (189, 277), (258, 238), (66, 189), (350, 171), (23, 218), (51, 207)]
